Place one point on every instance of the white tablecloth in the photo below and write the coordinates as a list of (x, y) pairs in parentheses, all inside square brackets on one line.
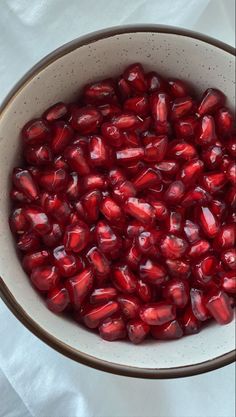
[(34, 379)]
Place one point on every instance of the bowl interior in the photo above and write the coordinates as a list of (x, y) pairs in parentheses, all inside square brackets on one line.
[(61, 79)]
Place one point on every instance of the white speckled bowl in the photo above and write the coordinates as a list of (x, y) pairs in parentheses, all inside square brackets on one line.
[(172, 52)]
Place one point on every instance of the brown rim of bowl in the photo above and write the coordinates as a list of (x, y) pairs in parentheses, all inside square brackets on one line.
[(8, 298)]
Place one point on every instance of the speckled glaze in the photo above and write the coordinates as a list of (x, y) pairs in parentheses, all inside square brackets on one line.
[(60, 76)]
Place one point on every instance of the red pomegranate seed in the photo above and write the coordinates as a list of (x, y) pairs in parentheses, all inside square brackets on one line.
[(155, 151), (111, 210), (211, 100), (76, 237), (145, 243), (173, 247), (59, 162), (135, 168), (231, 146), (178, 88), (185, 127), (55, 112), (182, 150), (53, 180), (109, 110), (131, 139), (205, 134), (168, 168), (112, 329), (231, 172), (18, 196), (38, 220), (192, 231), (229, 258), (35, 259), (218, 208), (62, 134), (174, 192), (199, 248), (38, 155), (138, 105), (90, 202), (124, 88), (24, 182), (112, 134), (94, 181), (35, 132), (53, 238), (140, 210), (18, 221), (86, 120), (123, 279), (190, 323), (76, 159), (129, 305), (152, 272), (45, 277), (224, 121), (196, 195), (220, 308), (100, 93), (178, 268), (230, 198), (226, 237), (56, 207), (161, 210), (73, 190), (212, 156), (198, 304), (28, 241), (79, 286), (129, 155), (176, 292), (102, 295), (146, 178), (115, 176), (155, 82), (108, 242), (190, 172), (125, 121), (160, 108), (67, 263), (98, 261), (156, 314), (137, 331), (208, 222), (57, 299), (135, 76), (205, 270), (167, 331), (95, 315), (181, 106), (228, 282), (98, 151), (133, 257)]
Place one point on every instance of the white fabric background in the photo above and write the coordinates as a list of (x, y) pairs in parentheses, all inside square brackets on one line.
[(34, 379)]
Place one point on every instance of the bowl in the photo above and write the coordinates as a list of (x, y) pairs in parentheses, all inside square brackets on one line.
[(60, 76)]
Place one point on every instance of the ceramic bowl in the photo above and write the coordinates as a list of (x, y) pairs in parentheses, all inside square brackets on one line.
[(60, 76)]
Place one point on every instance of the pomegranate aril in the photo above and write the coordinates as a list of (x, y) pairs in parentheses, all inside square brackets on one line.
[(67, 263), (98, 151), (226, 237), (168, 168), (112, 134), (173, 247), (53, 238), (73, 189), (57, 299), (38, 155), (155, 151), (108, 110), (185, 127), (199, 248), (18, 196), (152, 272), (55, 112), (79, 287), (231, 146), (94, 181), (35, 132), (102, 295), (224, 121), (205, 132), (218, 208), (29, 241), (108, 242), (168, 331), (178, 268), (174, 192), (198, 304), (129, 305), (230, 198), (133, 257), (124, 190), (205, 270), (18, 221), (123, 279), (124, 88), (191, 171), (94, 315), (131, 139), (219, 306), (190, 323), (76, 237), (39, 221), (146, 178), (86, 120), (113, 329), (90, 202), (229, 258), (138, 105), (59, 162), (45, 277), (100, 93), (182, 150), (115, 176), (176, 292), (208, 222), (140, 210), (61, 135), (212, 156), (76, 159), (125, 121), (56, 207), (24, 182), (135, 76), (181, 106), (137, 330), (192, 231), (146, 243), (196, 195), (211, 100), (99, 262), (228, 282), (231, 172), (35, 259), (129, 155), (156, 314), (160, 108), (111, 210), (178, 88), (53, 180)]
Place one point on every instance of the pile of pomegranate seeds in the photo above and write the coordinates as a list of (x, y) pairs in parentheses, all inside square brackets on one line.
[(124, 207)]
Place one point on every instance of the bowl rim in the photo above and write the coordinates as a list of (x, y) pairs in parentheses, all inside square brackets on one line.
[(7, 296)]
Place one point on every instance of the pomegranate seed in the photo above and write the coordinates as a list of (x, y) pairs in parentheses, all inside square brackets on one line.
[(212, 156), (79, 286), (76, 237), (35, 259), (181, 106), (134, 74), (160, 107), (123, 279), (155, 151), (53, 238), (138, 105), (198, 304), (178, 88), (145, 243), (173, 247), (56, 207), (191, 171), (24, 182), (131, 139), (108, 110), (231, 146), (155, 82), (67, 263), (134, 228), (142, 211), (160, 209), (211, 100), (35, 132), (55, 112), (38, 220), (226, 237), (53, 180), (190, 323), (125, 121), (196, 195), (129, 155), (192, 231), (137, 331), (124, 190), (95, 315), (112, 329), (156, 314), (133, 257), (178, 268), (219, 306), (152, 272), (57, 299), (167, 331), (229, 258), (38, 155), (62, 134), (205, 270), (146, 178), (76, 159), (224, 121), (129, 305), (28, 241), (102, 295), (94, 181), (112, 134), (124, 88), (115, 176), (230, 198), (208, 222), (185, 127), (182, 150), (111, 210), (98, 151), (218, 208), (59, 162), (176, 292), (98, 261), (100, 93), (86, 120), (206, 134), (199, 248), (108, 241), (90, 202), (168, 168), (228, 282), (231, 172), (73, 190), (174, 192), (18, 196), (45, 277), (18, 221)]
